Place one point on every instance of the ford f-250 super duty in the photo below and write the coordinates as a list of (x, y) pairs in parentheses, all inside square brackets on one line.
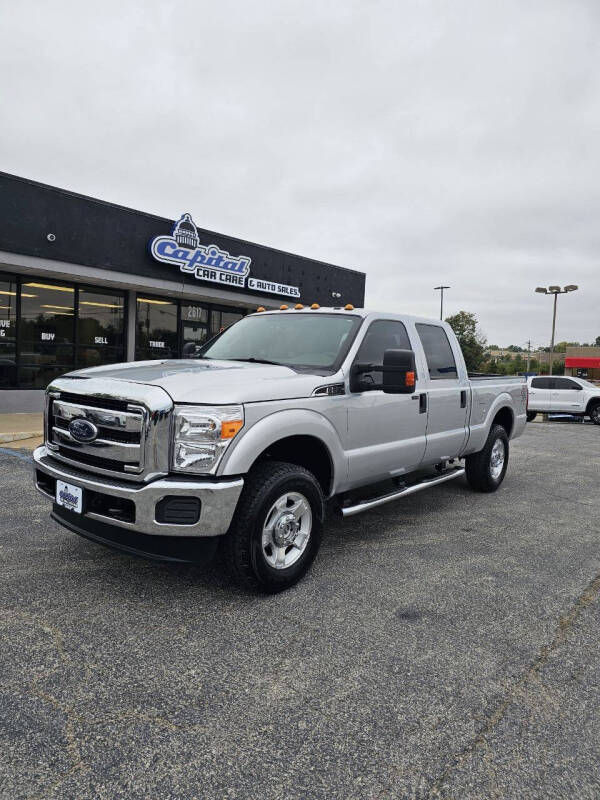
[(279, 413)]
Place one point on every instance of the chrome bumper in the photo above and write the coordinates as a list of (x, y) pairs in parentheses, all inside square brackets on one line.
[(218, 499)]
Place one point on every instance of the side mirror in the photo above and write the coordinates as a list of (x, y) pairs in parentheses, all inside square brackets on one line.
[(399, 371)]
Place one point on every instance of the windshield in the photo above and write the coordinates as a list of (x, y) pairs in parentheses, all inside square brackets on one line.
[(587, 383), (292, 339)]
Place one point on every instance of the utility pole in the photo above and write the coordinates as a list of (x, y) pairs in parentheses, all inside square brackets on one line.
[(528, 354), (441, 290)]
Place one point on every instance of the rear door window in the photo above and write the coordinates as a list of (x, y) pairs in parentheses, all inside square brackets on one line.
[(438, 352), (565, 383)]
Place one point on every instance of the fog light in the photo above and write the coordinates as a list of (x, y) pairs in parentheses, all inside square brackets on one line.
[(176, 510)]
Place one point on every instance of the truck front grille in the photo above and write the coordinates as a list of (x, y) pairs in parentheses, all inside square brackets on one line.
[(119, 443), (132, 426)]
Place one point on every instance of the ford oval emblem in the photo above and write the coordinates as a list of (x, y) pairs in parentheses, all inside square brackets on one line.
[(82, 430)]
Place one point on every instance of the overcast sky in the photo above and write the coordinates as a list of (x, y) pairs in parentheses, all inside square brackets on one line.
[(421, 142)]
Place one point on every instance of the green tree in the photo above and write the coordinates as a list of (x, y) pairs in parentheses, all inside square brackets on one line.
[(471, 339), (597, 341), (519, 365)]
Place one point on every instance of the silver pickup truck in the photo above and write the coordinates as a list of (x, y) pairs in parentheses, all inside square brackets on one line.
[(244, 444)]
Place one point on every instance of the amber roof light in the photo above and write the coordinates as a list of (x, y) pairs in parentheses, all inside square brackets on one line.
[(315, 305), (260, 308), (283, 308), (349, 307), (298, 305)]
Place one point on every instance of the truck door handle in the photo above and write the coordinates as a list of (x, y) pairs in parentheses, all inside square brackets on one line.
[(422, 398), (463, 398)]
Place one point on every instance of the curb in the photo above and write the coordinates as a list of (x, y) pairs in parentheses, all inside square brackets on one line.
[(16, 437)]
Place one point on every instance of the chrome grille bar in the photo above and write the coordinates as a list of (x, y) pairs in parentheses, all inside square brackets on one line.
[(118, 451), (122, 420)]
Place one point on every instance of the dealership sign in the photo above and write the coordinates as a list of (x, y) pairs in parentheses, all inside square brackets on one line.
[(210, 263)]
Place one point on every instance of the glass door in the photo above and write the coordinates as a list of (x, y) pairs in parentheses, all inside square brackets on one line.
[(194, 328)]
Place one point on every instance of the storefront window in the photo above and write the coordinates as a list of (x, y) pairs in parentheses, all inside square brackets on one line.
[(8, 333), (50, 327), (101, 332), (47, 332), (219, 320), (156, 329)]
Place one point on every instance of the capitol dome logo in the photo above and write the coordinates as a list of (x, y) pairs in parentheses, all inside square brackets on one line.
[(185, 232)]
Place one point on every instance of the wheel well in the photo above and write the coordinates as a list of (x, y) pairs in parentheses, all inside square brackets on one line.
[(591, 403), (504, 417), (305, 451)]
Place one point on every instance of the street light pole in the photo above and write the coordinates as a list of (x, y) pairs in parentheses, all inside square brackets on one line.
[(553, 330), (555, 290), (441, 290)]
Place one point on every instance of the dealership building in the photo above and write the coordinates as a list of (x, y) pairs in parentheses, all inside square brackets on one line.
[(85, 282)]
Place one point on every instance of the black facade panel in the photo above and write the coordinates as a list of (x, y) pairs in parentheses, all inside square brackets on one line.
[(102, 235)]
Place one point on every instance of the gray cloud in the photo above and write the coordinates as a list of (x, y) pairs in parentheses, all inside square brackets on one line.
[(418, 141)]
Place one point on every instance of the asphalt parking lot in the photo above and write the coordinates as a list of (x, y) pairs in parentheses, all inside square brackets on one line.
[(443, 646)]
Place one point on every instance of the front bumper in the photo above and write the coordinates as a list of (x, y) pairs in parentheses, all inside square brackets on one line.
[(218, 499)]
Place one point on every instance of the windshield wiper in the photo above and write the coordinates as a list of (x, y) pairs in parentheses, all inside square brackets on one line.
[(257, 361)]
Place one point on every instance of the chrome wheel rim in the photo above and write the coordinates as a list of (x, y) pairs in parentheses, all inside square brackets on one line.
[(286, 531), (497, 459)]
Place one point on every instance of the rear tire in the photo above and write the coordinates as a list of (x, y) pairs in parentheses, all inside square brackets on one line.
[(594, 413), (277, 527), (486, 469), (531, 415)]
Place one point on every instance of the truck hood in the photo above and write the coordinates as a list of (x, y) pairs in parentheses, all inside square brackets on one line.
[(211, 382)]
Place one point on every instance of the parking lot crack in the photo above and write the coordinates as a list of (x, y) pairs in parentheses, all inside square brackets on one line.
[(515, 691)]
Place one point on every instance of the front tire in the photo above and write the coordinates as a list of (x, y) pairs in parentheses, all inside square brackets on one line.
[(595, 414), (277, 527), (486, 469)]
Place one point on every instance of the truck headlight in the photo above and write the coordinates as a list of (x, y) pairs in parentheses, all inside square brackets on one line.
[(202, 434)]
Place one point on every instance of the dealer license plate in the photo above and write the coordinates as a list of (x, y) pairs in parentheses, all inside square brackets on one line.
[(69, 496)]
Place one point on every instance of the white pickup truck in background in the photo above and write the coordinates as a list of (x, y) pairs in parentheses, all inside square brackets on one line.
[(563, 395)]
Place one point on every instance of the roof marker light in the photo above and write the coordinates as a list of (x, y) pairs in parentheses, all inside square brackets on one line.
[(315, 305), (349, 307), (260, 308), (283, 308), (298, 305)]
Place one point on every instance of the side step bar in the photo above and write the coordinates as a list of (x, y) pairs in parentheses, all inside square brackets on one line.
[(365, 505)]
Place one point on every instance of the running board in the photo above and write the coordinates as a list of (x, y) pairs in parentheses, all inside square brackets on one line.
[(365, 505)]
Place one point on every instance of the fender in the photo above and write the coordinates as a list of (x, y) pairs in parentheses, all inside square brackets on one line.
[(279, 425), (478, 433)]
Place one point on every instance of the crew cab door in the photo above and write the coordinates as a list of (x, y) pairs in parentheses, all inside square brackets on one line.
[(448, 396), (567, 395), (386, 432), (540, 394)]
